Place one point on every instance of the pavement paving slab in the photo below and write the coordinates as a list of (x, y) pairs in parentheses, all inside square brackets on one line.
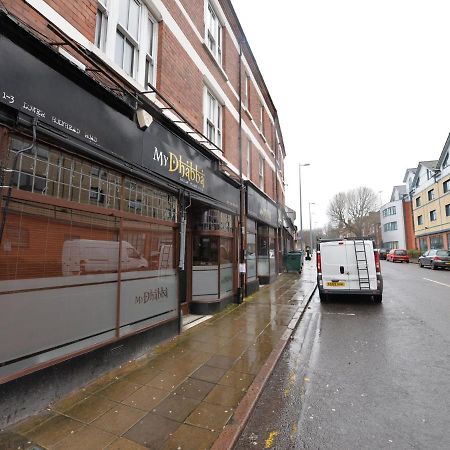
[(187, 394)]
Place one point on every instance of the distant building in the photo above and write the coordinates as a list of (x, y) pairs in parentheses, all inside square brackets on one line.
[(431, 202)]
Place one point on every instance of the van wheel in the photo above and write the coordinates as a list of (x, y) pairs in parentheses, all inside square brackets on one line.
[(323, 297), (378, 298)]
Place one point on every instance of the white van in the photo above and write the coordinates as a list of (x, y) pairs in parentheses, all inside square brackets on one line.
[(84, 256), (348, 266)]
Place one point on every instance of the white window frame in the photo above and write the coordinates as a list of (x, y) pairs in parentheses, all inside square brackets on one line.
[(140, 43), (101, 31), (246, 102), (261, 172), (213, 113), (249, 159), (213, 31), (151, 52), (261, 118)]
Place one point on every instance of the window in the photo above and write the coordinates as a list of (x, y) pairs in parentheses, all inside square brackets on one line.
[(261, 173), (214, 33), (418, 203), (419, 220), (246, 99), (446, 186), (447, 210), (428, 174), (431, 194), (150, 56), (392, 210), (127, 36), (390, 226), (249, 159), (261, 118), (445, 162), (423, 244), (436, 242), (418, 181), (60, 175), (213, 119), (433, 216), (101, 25)]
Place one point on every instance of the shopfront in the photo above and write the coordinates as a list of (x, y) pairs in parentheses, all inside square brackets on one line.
[(262, 228), (90, 215)]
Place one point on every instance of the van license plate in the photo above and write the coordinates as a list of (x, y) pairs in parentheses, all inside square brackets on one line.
[(336, 283)]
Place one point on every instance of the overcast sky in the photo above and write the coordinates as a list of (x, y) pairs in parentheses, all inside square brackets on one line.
[(362, 89)]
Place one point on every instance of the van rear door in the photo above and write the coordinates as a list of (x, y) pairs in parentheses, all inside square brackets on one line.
[(352, 265), (334, 261)]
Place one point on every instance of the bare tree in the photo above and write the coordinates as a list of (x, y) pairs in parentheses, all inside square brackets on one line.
[(348, 211)]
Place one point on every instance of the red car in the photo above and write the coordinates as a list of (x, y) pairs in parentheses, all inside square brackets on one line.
[(399, 255)]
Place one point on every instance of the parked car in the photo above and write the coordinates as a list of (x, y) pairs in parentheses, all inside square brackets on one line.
[(383, 253), (398, 255), (436, 258), (348, 267)]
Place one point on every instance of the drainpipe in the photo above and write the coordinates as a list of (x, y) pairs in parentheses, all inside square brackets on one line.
[(242, 222)]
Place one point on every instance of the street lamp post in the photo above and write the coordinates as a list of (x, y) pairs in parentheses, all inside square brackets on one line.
[(310, 227), (300, 197)]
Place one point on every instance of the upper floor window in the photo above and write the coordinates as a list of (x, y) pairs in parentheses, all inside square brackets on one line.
[(261, 118), (150, 56), (246, 98), (418, 202), (419, 220), (127, 36), (261, 173), (445, 162), (214, 33), (101, 25), (433, 215), (431, 194), (447, 211), (446, 186), (392, 210), (418, 181), (213, 116), (249, 159), (390, 226)]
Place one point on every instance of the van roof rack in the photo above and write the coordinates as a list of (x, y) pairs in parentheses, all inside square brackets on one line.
[(356, 238)]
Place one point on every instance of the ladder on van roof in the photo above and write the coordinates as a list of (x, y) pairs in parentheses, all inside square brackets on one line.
[(362, 266)]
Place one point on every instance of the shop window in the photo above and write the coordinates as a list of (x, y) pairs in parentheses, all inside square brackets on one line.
[(436, 242), (213, 33), (101, 25), (448, 241), (50, 172), (213, 220), (47, 241), (206, 251), (423, 244), (213, 119)]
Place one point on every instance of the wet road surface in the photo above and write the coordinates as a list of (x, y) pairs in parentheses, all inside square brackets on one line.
[(358, 375)]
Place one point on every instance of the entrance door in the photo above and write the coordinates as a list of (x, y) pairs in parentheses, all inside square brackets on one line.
[(186, 276)]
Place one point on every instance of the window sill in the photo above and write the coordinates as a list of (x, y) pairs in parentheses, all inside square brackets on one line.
[(249, 115), (214, 60)]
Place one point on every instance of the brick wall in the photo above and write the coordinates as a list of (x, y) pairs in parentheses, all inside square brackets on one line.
[(409, 225)]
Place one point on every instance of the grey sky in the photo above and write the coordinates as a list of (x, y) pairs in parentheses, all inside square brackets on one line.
[(362, 89)]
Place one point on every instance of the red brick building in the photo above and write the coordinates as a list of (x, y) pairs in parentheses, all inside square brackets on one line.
[(142, 164)]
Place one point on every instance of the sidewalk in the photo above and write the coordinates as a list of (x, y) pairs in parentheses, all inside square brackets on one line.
[(192, 393)]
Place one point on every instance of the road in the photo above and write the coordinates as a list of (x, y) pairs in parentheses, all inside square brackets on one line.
[(358, 375)]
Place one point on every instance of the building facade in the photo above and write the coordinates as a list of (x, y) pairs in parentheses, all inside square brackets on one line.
[(142, 166), (431, 202), (396, 220)]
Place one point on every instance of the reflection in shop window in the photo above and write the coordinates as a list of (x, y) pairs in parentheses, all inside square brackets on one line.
[(205, 250)]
